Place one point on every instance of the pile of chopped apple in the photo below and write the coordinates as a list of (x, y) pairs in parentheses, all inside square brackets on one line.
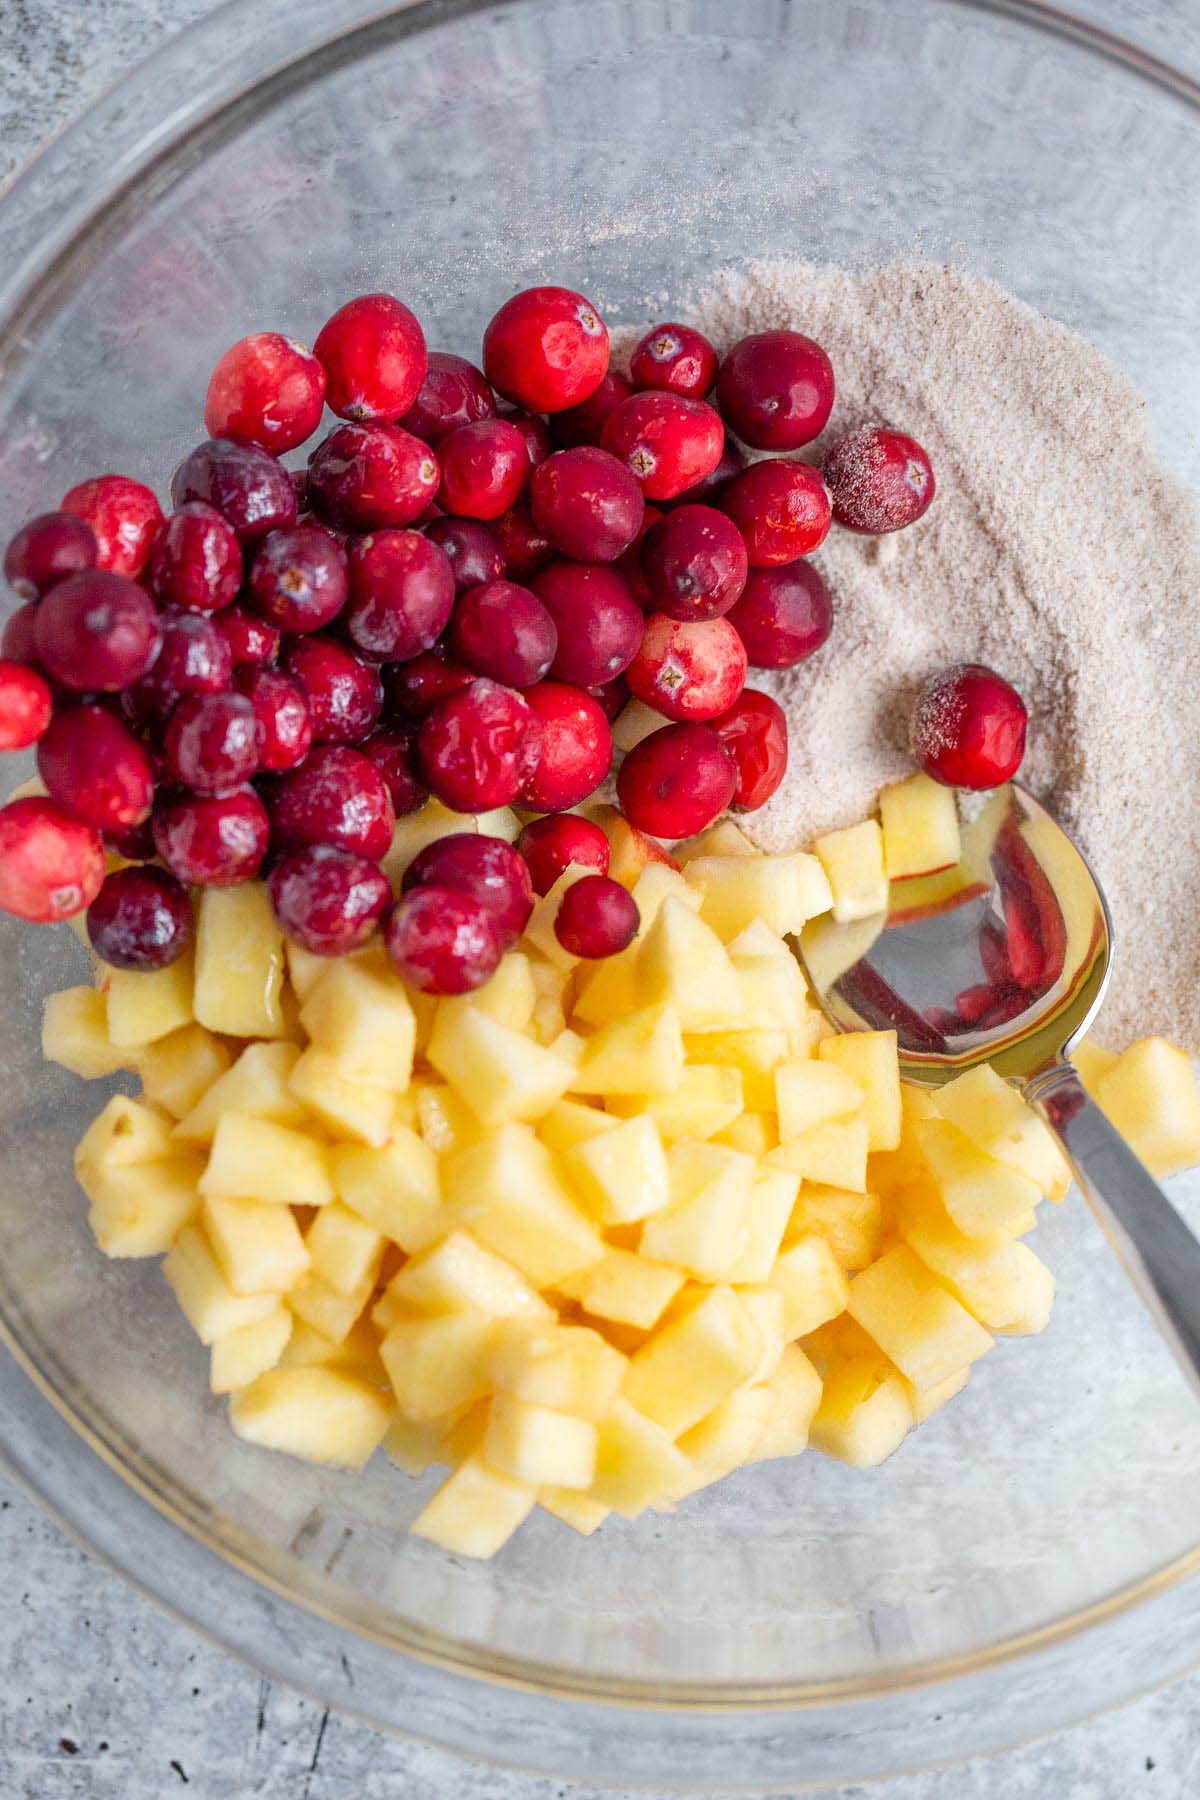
[(594, 1235)]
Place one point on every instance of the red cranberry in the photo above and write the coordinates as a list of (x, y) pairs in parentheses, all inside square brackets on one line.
[(630, 564), (546, 349), (326, 900), (485, 469), (96, 632), (196, 562), (26, 704), (675, 359), (51, 864), (525, 548), (267, 389), (94, 766), (676, 781), (195, 659), (394, 753), (688, 671), (784, 615), (364, 477), (503, 631), (781, 508), (415, 687), (968, 727), (695, 563), (136, 844), (776, 390), (474, 551), (487, 868), (596, 917), (48, 549), (344, 694), (337, 796), (298, 578), (375, 359), (140, 919), (669, 443), (583, 424), (612, 697), (401, 595), (552, 844), (454, 392), (587, 504), (124, 516), (443, 941), (598, 621), (479, 747), (252, 642), (755, 733), (281, 710), (212, 840), (16, 641), (244, 483), (880, 480), (212, 743), (707, 491), (533, 429), (576, 747)]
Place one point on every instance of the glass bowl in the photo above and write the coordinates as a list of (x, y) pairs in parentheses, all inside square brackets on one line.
[(1028, 1555)]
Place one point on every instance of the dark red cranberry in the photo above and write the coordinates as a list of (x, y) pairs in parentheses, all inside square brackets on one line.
[(612, 697), (298, 578), (755, 733), (781, 508), (598, 621), (135, 844), (140, 919), (485, 469), (454, 392), (596, 917), (487, 868), (243, 482), (479, 747), (629, 566), (252, 642), (124, 516), (668, 442), (474, 551), (401, 595), (394, 753), (326, 900), (784, 615), (284, 722), (968, 727), (374, 355), (546, 349), (707, 491), (688, 671), (51, 863), (576, 747), (94, 766), (503, 631), (525, 548), (344, 693), (443, 941), (212, 743), (96, 632), (17, 640), (533, 429), (880, 480), (676, 781), (337, 796), (587, 503), (417, 686), (366, 477), (26, 704), (195, 659), (776, 390), (695, 563), (267, 389), (583, 424), (552, 844), (211, 840), (47, 550), (676, 359), (196, 562)]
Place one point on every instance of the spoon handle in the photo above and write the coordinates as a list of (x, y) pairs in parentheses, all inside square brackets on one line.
[(1159, 1253)]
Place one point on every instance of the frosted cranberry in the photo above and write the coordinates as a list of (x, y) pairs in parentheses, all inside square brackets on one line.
[(242, 481), (669, 443), (140, 919), (454, 392), (212, 743), (776, 390), (401, 595), (337, 796), (707, 491), (135, 843), (267, 389), (474, 551), (598, 621), (503, 631), (485, 469), (48, 549), (252, 642), (124, 516), (525, 548), (51, 864), (676, 781), (880, 480), (576, 747), (552, 844), (612, 697), (363, 477), (26, 704), (195, 658), (96, 632), (326, 900), (784, 615), (596, 917), (416, 687), (781, 508), (695, 563), (196, 562), (487, 868), (479, 747), (675, 359), (394, 753), (546, 349), (583, 424), (284, 722), (373, 351), (93, 765), (688, 671), (298, 578), (533, 429), (16, 641), (587, 503), (755, 733), (344, 694), (968, 727), (212, 840), (443, 941)]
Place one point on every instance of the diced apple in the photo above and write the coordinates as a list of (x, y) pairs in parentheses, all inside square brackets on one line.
[(629, 849), (639, 1054), (357, 1353), (500, 1074), (395, 1190), (795, 1391), (178, 1071), (126, 1131), (139, 1209), (773, 1196), (414, 1447), (1150, 1094), (255, 1159), (242, 1356), (258, 1246), (256, 1085), (1091, 1061), (708, 1098), (608, 988), (634, 722), (331, 1313), (444, 1119), (141, 1008), (320, 1415), (995, 1117), (690, 1364), (539, 932), (982, 1273), (579, 1511), (349, 1109), (1037, 1295), (919, 820), (439, 1363), (637, 1461), (621, 1175), (834, 1154), (476, 1510), (765, 1306), (865, 1412), (869, 1058), (919, 1325), (572, 1122), (810, 1093), (725, 1438), (703, 1228), (568, 1368), (417, 829), (894, 1170), (506, 1191), (501, 822), (813, 1285), (753, 1133), (853, 862), (926, 1401), (626, 1288), (208, 1303), (75, 1034), (364, 1023), (239, 962), (683, 963), (785, 892), (980, 1194), (509, 997), (535, 1444), (304, 969), (722, 839), (459, 1272), (850, 1223), (343, 1249)]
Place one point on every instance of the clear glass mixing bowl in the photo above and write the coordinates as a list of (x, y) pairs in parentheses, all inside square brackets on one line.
[(1027, 1556)]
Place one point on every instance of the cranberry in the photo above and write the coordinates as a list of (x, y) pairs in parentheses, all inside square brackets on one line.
[(487, 868), (695, 563), (707, 491), (485, 469), (552, 844), (51, 864), (96, 632), (525, 548), (212, 743), (196, 562), (16, 641), (781, 508), (326, 900), (587, 503), (48, 549), (675, 359), (416, 687), (688, 671), (252, 642), (546, 349), (135, 844), (443, 941), (784, 615), (124, 516), (375, 359), (394, 753), (344, 694), (244, 482), (281, 710), (95, 767), (880, 480), (676, 781), (337, 796), (755, 733), (195, 658), (630, 564), (267, 389), (401, 595), (212, 840), (474, 551), (479, 747), (968, 727), (596, 917), (533, 429), (670, 443), (612, 697), (503, 631), (26, 704), (776, 390), (298, 578), (598, 621), (583, 424), (576, 747), (454, 392), (140, 919), (363, 477)]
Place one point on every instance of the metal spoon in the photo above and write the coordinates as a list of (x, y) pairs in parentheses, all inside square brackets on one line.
[(1005, 959)]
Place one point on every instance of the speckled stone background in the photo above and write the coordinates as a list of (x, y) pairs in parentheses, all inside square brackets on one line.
[(104, 1698)]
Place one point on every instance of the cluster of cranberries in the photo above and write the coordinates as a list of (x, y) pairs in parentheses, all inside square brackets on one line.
[(456, 596)]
